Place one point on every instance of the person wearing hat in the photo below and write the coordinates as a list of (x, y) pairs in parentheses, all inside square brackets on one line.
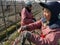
[(49, 26), (26, 17), (26, 14)]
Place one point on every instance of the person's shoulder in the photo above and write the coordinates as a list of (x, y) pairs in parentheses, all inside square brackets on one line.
[(23, 10)]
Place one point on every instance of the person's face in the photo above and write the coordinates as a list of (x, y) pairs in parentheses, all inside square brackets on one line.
[(30, 8), (47, 14)]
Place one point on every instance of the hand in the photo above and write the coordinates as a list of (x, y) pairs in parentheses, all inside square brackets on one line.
[(34, 20), (19, 30), (22, 29)]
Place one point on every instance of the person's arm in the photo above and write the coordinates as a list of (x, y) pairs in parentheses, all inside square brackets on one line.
[(36, 25), (32, 26)]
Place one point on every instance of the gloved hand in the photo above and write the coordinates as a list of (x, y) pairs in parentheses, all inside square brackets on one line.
[(34, 19)]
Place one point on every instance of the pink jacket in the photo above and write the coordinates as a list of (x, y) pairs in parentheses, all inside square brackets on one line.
[(26, 17), (48, 36)]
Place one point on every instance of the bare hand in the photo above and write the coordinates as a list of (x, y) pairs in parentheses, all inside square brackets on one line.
[(20, 30), (23, 28)]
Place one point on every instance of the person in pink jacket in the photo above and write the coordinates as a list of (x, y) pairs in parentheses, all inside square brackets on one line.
[(49, 26), (26, 14)]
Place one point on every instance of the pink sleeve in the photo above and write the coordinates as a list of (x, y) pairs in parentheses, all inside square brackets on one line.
[(35, 25), (24, 17)]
